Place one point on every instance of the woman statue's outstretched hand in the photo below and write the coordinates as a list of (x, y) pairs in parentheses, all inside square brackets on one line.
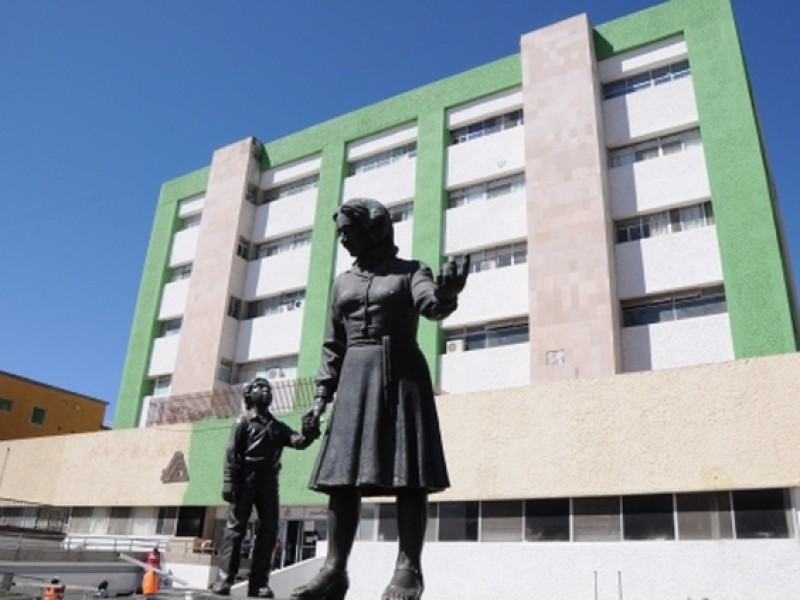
[(451, 279)]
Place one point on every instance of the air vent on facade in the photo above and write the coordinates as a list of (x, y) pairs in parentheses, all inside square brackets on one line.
[(455, 346)]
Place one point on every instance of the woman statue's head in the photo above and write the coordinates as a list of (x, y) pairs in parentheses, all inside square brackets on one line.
[(365, 226)]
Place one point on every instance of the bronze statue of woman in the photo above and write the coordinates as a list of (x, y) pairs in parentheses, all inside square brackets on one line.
[(383, 437)]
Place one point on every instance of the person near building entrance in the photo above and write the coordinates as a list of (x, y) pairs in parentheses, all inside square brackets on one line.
[(383, 437), (250, 478)]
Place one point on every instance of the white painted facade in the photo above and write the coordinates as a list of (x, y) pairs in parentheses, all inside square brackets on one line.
[(672, 344), (492, 222), (486, 369), (492, 295), (391, 184), (274, 274), (269, 336), (284, 216), (676, 261), (162, 360), (668, 570), (663, 182), (485, 158), (173, 300), (183, 246)]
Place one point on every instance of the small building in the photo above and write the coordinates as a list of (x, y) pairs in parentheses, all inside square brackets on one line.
[(31, 408)]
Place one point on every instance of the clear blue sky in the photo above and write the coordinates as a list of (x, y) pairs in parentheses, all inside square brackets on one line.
[(101, 102)]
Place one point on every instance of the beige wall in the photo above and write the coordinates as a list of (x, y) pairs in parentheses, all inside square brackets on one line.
[(110, 468), (208, 334), (573, 316), (723, 426)]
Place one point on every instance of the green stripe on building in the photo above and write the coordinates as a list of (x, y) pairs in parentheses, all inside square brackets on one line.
[(134, 385)]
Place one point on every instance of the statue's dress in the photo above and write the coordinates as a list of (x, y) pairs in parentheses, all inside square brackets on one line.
[(383, 435)]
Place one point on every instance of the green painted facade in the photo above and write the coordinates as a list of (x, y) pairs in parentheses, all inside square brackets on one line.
[(758, 287), (205, 465)]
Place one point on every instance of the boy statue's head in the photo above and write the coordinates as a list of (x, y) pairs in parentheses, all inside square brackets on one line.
[(257, 394)]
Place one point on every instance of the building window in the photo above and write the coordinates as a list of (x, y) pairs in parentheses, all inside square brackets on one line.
[(235, 307), (6, 404), (284, 244), (547, 520), (501, 521), (674, 307), (401, 212), (596, 519), (458, 521), (225, 371), (761, 514), (80, 519), (276, 304), (291, 188), (498, 257), (284, 367), (37, 415), (648, 517), (491, 335), (486, 191), (190, 222), (166, 520), (486, 127), (382, 159), (119, 520), (387, 522), (171, 327), (179, 273), (243, 248), (654, 148), (704, 516), (162, 386), (641, 81), (665, 222)]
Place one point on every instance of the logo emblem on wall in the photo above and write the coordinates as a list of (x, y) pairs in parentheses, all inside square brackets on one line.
[(176, 471)]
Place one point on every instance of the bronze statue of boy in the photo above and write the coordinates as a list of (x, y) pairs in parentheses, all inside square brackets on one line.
[(252, 465)]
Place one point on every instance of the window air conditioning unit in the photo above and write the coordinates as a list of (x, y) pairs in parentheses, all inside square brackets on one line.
[(298, 304), (275, 373), (489, 264), (454, 346)]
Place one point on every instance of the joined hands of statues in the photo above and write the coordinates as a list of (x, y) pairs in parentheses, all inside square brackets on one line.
[(311, 420), (451, 279)]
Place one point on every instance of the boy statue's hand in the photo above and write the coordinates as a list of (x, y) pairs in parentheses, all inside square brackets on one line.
[(310, 428), (227, 493)]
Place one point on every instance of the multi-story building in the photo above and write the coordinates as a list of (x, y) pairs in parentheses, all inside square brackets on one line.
[(33, 409), (616, 388)]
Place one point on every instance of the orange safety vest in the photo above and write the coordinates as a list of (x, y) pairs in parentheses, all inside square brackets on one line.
[(54, 592), (149, 582)]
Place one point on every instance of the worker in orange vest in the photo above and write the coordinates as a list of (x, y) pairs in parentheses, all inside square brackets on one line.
[(150, 581), (54, 591)]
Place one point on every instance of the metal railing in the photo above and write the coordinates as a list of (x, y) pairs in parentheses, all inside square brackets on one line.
[(288, 395)]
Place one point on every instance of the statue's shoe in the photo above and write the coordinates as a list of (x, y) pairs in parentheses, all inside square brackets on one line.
[(406, 584), (328, 584)]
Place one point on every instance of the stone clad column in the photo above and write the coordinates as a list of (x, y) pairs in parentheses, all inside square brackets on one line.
[(208, 334), (573, 303)]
